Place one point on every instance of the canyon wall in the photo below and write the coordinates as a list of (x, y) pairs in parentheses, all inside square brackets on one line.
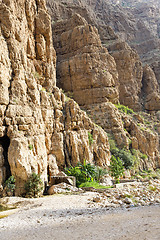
[(97, 83), (40, 130)]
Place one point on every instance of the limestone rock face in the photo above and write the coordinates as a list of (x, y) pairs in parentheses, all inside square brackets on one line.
[(84, 67), (109, 118), (151, 90), (119, 23), (128, 131), (45, 132), (131, 84), (130, 72), (27, 64), (78, 127)]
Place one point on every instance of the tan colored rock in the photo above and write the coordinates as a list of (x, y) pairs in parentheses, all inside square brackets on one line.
[(151, 90), (45, 132), (52, 165), (84, 67), (107, 116), (62, 188), (130, 72)]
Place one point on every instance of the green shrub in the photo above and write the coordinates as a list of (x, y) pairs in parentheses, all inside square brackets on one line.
[(125, 155), (127, 158), (143, 156), (90, 138), (85, 172), (33, 186), (112, 142), (116, 168), (82, 172), (10, 185), (76, 172), (124, 109), (100, 173), (30, 146)]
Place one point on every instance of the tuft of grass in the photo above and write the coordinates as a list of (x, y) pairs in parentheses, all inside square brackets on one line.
[(5, 208), (90, 138), (152, 188), (3, 216), (94, 184), (30, 146), (124, 109), (36, 75)]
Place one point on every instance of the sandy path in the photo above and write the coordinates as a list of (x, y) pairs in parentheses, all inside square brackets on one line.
[(68, 217)]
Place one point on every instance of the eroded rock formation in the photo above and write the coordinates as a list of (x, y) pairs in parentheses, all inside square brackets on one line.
[(76, 43), (106, 15), (44, 130), (130, 72), (84, 67), (151, 90)]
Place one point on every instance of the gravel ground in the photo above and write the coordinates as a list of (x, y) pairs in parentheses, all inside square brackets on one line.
[(69, 217)]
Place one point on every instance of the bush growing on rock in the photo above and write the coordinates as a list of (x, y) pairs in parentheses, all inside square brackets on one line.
[(33, 186), (124, 109), (90, 138), (116, 168), (10, 186), (86, 172), (125, 155)]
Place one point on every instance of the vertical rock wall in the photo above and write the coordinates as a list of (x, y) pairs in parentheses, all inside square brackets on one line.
[(46, 131), (84, 67), (87, 72)]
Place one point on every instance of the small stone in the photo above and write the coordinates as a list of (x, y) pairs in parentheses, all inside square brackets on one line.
[(96, 199), (128, 201)]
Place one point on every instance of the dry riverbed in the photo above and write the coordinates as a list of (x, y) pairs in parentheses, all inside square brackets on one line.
[(73, 216)]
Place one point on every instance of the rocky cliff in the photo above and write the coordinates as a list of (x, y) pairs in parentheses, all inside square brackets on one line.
[(40, 130), (105, 15), (85, 69), (88, 73)]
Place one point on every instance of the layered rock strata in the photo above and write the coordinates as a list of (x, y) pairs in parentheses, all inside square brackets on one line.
[(84, 67), (130, 131), (44, 132), (151, 90), (74, 77), (130, 73), (128, 64)]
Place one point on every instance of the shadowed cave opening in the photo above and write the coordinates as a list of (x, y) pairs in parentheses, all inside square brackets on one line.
[(5, 142)]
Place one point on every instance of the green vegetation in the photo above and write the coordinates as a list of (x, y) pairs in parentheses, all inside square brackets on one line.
[(33, 186), (5, 208), (10, 185), (86, 172), (90, 138), (30, 146), (125, 156), (94, 184), (36, 75), (43, 89), (124, 109), (116, 168), (69, 94), (130, 158), (148, 174), (152, 188)]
